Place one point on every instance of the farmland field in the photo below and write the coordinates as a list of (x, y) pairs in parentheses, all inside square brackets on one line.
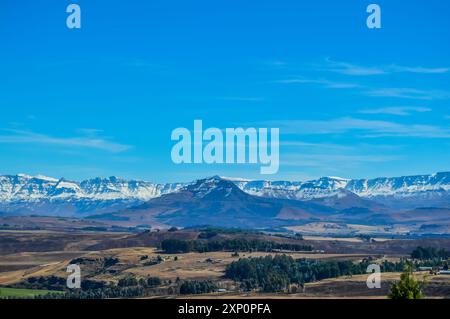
[(36, 262), (20, 293)]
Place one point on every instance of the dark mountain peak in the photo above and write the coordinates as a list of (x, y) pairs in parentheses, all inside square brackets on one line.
[(215, 188)]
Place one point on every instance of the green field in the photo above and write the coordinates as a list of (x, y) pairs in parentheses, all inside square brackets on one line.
[(15, 292)]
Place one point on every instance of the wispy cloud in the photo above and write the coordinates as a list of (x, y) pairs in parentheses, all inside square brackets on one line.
[(323, 146), (331, 160), (91, 142), (396, 110), (352, 69), (409, 93), (360, 70), (321, 82), (403, 93), (364, 128), (418, 69)]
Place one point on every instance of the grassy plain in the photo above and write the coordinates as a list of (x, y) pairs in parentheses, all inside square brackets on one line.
[(34, 254)]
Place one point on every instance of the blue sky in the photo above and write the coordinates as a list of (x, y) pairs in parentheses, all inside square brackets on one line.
[(103, 100)]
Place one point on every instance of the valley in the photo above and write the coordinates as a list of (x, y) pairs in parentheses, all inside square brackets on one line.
[(38, 261)]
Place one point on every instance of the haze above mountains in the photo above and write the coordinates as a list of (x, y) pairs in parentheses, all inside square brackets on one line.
[(234, 202)]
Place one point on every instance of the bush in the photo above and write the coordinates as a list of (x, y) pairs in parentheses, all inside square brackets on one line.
[(153, 282), (408, 287)]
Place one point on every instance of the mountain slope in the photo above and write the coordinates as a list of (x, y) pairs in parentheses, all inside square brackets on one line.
[(216, 201)]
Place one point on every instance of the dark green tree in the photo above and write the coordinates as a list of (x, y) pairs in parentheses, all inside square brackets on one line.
[(408, 287)]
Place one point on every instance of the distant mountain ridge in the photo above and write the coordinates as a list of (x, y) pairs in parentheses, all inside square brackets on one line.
[(398, 192), (25, 187), (220, 202), (383, 186), (24, 194)]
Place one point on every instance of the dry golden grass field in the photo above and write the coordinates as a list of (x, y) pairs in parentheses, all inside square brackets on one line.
[(26, 254)]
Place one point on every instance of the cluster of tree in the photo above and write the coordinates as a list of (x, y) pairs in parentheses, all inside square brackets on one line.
[(296, 236), (131, 281), (128, 282), (184, 246), (197, 287), (46, 283), (273, 274), (209, 232), (104, 293), (130, 287), (126, 287), (428, 253), (223, 230), (56, 283), (153, 282)]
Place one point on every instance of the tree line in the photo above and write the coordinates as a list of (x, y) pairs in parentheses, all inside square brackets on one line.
[(428, 253), (126, 287), (172, 246), (275, 274), (197, 287)]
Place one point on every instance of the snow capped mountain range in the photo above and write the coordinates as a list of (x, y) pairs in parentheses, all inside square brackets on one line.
[(40, 194), (24, 194), (34, 188), (323, 187), (370, 188)]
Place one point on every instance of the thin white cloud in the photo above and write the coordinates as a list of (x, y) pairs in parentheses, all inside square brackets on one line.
[(89, 131), (91, 142), (418, 69), (364, 128), (325, 146), (321, 82), (327, 160), (353, 69), (404, 93), (359, 70), (409, 93), (396, 110)]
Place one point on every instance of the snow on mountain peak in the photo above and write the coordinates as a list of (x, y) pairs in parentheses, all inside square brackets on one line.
[(235, 179), (25, 176), (24, 188), (46, 178)]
